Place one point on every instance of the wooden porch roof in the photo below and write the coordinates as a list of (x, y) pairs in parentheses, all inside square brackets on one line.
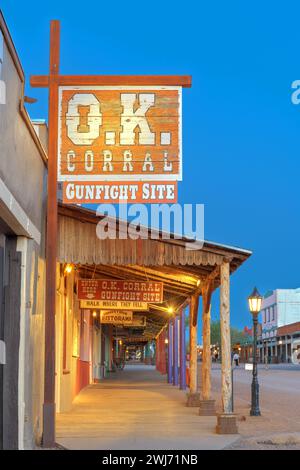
[(183, 271)]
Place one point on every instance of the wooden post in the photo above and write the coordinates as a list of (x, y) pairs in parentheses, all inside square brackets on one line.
[(182, 351), (193, 396), (175, 351), (207, 406), (170, 354), (163, 353), (51, 243), (226, 421)]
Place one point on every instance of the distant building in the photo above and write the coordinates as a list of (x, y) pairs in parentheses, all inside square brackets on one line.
[(280, 308)]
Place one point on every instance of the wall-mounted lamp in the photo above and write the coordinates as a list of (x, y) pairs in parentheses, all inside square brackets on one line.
[(68, 269)]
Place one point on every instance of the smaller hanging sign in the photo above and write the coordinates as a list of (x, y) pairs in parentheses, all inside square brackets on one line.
[(116, 317), (114, 305)]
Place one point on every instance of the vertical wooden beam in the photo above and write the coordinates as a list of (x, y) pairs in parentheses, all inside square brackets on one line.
[(206, 354), (194, 395), (175, 351), (51, 242), (182, 351), (225, 339), (226, 421), (207, 406), (170, 354), (163, 353)]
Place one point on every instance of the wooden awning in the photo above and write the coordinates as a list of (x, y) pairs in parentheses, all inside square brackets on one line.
[(182, 270)]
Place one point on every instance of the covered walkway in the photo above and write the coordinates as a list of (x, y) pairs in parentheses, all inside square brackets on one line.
[(136, 409)]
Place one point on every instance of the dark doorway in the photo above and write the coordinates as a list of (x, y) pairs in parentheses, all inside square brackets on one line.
[(10, 297)]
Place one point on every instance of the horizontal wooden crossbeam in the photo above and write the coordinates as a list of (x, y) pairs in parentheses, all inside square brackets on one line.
[(42, 81)]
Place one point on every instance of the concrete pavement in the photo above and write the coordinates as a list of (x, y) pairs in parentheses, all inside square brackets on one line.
[(136, 409)]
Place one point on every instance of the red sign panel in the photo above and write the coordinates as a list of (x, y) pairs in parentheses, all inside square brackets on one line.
[(134, 291), (119, 192)]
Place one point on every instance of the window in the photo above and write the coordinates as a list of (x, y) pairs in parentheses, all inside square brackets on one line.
[(273, 313), (268, 310)]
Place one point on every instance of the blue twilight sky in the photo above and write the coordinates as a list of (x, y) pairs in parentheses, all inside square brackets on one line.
[(241, 132)]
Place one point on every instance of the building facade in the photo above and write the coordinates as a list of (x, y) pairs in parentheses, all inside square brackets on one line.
[(23, 169), (280, 309)]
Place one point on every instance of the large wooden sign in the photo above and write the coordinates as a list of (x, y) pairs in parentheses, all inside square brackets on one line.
[(114, 304), (125, 291), (119, 144), (116, 317)]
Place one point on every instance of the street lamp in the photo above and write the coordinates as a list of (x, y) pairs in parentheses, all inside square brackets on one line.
[(254, 301)]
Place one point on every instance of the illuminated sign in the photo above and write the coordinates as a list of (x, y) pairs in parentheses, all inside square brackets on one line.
[(116, 317), (118, 305), (125, 291)]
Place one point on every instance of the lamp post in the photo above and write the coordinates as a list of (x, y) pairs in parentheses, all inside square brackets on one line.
[(254, 301)]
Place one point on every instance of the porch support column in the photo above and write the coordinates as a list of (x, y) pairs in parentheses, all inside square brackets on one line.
[(157, 353), (193, 398), (175, 351), (170, 354), (163, 356), (207, 405), (227, 420), (182, 352), (161, 352)]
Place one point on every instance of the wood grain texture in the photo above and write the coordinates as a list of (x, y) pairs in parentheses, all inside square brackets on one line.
[(206, 354), (225, 338), (108, 133), (78, 243), (51, 243), (41, 81), (193, 343)]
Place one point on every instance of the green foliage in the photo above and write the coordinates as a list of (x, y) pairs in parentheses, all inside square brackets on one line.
[(215, 333), (236, 334)]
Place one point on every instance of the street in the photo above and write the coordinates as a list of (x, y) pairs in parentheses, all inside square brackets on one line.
[(279, 405)]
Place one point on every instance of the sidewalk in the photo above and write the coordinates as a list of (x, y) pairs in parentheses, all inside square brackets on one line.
[(136, 409)]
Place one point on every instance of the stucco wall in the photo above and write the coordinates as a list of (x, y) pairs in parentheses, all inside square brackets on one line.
[(21, 166), (23, 172)]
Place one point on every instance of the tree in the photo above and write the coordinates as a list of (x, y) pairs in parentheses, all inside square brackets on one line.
[(235, 334)]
